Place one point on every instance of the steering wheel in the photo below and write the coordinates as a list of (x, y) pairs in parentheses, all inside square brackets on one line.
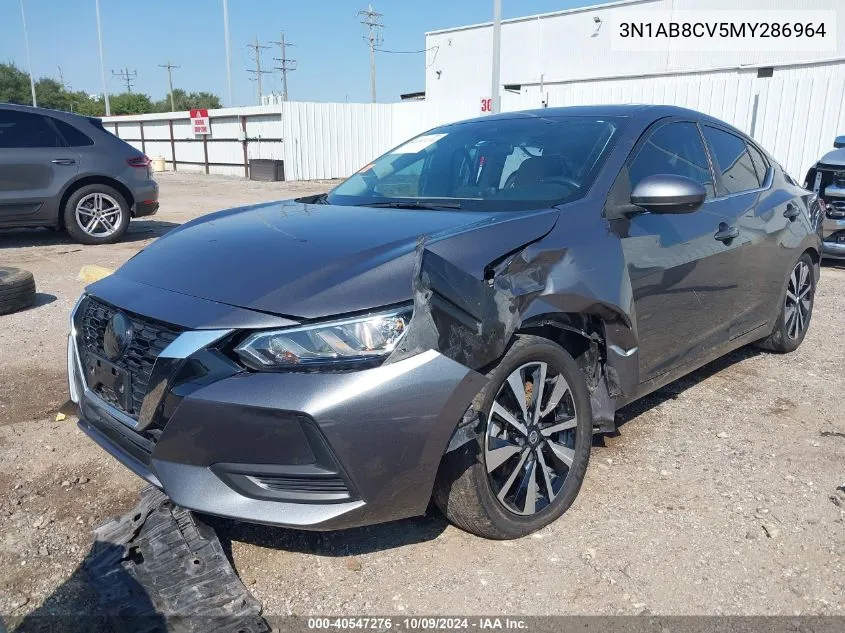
[(562, 180), (510, 182)]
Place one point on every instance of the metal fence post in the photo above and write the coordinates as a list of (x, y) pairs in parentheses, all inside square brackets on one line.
[(245, 144), (172, 144)]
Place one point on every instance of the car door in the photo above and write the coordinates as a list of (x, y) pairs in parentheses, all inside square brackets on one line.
[(35, 166), (759, 215), (674, 263)]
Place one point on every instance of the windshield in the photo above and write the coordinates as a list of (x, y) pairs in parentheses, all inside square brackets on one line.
[(495, 165)]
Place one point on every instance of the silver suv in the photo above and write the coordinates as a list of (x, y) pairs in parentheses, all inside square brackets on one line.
[(65, 171)]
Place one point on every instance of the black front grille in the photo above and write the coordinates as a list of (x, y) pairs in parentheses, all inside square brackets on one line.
[(149, 339)]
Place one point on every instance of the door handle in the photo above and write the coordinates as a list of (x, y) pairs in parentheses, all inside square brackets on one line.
[(726, 233), (791, 212), (63, 161)]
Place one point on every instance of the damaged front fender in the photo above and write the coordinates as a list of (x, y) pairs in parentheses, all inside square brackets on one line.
[(472, 318)]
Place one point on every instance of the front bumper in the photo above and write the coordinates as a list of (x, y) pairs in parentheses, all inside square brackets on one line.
[(360, 447), (833, 230)]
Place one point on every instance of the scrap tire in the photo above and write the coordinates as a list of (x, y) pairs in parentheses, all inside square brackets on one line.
[(17, 289)]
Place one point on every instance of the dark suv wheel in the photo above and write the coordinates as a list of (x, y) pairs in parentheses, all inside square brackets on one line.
[(96, 214), (529, 462)]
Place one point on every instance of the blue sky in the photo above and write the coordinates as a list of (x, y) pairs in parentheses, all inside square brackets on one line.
[(333, 58)]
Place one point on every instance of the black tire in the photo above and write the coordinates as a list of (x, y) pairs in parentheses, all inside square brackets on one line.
[(17, 289), (463, 491), (784, 338), (78, 233)]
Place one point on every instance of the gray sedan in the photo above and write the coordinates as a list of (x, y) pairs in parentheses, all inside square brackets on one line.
[(65, 171)]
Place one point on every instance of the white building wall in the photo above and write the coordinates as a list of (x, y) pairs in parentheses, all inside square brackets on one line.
[(795, 118), (568, 46)]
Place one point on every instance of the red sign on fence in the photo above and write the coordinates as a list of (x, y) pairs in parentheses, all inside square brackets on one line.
[(200, 123)]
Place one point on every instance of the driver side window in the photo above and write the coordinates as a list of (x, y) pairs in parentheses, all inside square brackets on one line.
[(675, 149)]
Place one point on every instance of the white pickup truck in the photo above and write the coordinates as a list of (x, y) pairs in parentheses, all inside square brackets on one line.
[(827, 178)]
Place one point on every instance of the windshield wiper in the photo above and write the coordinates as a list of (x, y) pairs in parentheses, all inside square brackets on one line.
[(413, 204)]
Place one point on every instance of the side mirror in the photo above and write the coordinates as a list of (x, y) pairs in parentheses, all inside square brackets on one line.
[(665, 193), (839, 141)]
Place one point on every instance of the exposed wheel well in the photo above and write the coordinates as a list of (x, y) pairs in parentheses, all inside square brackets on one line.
[(94, 180), (582, 336), (814, 255)]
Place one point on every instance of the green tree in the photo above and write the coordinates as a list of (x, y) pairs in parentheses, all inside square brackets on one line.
[(51, 94), (14, 88), (14, 85), (130, 103), (188, 100), (89, 106)]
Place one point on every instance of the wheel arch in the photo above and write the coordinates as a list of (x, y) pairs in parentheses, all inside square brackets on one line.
[(611, 370), (96, 179)]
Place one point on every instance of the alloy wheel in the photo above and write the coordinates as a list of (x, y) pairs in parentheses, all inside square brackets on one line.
[(799, 300), (98, 214), (530, 438)]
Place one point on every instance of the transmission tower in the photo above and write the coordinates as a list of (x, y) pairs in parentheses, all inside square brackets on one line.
[(256, 49), (372, 20), (126, 77), (285, 65)]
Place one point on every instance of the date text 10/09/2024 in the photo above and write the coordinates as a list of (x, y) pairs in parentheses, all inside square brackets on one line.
[(418, 623)]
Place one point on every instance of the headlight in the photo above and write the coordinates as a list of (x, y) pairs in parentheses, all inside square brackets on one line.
[(333, 343)]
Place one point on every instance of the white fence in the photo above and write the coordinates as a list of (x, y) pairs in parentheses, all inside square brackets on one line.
[(794, 119)]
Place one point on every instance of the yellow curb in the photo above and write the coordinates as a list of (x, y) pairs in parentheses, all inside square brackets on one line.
[(90, 274)]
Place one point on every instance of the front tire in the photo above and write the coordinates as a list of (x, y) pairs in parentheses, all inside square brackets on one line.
[(96, 214), (796, 309), (532, 451)]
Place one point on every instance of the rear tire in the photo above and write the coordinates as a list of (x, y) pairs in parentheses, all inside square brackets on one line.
[(481, 502), (17, 289), (796, 309), (96, 214)]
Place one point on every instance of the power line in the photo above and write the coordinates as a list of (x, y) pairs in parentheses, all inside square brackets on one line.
[(170, 68), (285, 65), (257, 48), (126, 77), (372, 20)]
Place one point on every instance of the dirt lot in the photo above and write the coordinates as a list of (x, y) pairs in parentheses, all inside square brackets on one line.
[(721, 494)]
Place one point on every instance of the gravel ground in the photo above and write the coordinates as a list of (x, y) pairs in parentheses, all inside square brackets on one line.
[(721, 494)]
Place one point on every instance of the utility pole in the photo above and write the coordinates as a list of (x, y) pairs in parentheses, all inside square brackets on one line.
[(257, 48), (126, 77), (285, 65), (495, 96), (28, 58), (228, 52), (102, 61), (170, 68), (372, 21)]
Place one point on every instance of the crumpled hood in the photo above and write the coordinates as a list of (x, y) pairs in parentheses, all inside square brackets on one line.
[(836, 157), (309, 261)]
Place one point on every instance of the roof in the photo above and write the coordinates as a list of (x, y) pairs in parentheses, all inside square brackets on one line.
[(61, 114), (652, 111), (540, 16)]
